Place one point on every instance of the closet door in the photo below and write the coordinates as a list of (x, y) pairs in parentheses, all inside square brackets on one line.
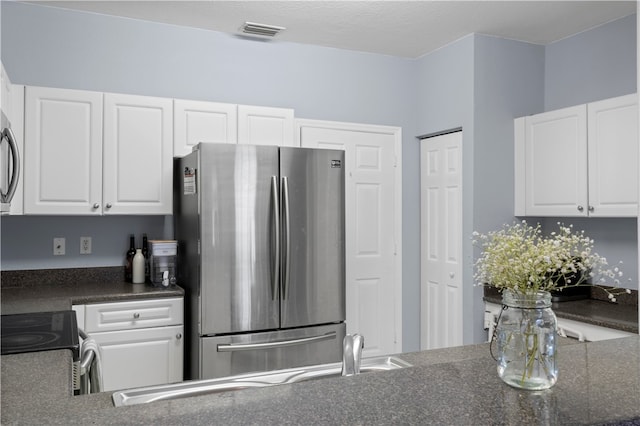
[(441, 290)]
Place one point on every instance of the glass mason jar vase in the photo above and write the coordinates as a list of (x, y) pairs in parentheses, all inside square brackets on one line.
[(526, 340)]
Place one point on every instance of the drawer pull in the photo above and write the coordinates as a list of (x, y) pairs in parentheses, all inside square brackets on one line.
[(136, 315)]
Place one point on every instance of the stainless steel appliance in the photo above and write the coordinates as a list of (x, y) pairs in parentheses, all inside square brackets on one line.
[(9, 164), (42, 331), (261, 255)]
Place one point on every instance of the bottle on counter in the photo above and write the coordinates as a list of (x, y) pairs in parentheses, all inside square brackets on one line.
[(128, 266), (138, 267), (145, 253)]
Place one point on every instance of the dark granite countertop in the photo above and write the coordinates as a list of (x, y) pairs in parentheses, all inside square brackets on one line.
[(50, 290), (599, 383), (597, 311)]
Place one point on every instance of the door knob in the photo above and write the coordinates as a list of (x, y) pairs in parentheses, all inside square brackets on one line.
[(452, 274), (136, 315), (179, 336)]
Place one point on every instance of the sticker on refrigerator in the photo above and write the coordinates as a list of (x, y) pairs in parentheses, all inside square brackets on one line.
[(336, 164), (189, 181)]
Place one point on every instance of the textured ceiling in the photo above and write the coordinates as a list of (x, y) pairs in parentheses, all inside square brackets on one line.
[(398, 28)]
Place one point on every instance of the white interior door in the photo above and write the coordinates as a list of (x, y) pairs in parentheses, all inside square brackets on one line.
[(441, 241), (373, 228)]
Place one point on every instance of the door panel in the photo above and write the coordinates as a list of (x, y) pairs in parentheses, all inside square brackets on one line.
[(142, 357), (236, 213), (441, 239), (314, 290), (62, 128), (137, 128)]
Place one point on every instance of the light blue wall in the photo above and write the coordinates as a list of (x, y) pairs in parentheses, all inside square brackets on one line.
[(509, 82), (446, 98), (592, 65), (474, 83), (61, 48)]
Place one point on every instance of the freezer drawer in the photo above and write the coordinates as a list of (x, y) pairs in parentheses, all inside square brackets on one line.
[(236, 354)]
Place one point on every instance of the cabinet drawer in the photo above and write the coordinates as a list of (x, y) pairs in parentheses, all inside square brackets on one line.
[(134, 314)]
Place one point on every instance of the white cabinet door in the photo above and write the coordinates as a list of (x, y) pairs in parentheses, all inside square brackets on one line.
[(141, 357), (138, 154), (556, 163), (63, 151), (265, 126), (198, 121), (613, 157)]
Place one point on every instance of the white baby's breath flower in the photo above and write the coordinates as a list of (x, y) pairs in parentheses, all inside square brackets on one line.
[(520, 258)]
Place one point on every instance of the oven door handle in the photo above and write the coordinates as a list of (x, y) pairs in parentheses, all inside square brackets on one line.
[(90, 365)]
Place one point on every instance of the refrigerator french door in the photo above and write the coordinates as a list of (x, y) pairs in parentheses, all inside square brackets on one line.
[(261, 253)]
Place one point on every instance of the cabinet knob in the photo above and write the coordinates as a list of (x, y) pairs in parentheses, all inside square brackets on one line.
[(136, 315), (580, 208), (179, 336), (452, 274), (591, 208), (96, 206), (109, 205)]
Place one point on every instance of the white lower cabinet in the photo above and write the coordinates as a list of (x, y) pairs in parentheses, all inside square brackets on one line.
[(141, 341), (578, 330)]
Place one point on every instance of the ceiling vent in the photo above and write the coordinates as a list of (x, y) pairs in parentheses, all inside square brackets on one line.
[(263, 30)]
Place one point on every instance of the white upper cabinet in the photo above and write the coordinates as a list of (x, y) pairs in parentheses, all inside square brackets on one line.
[(578, 161), (265, 126), (199, 121), (89, 153), (63, 151), (556, 163), (138, 154), (613, 157)]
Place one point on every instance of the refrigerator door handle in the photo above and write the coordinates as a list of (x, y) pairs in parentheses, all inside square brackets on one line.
[(276, 227), (226, 347), (286, 241)]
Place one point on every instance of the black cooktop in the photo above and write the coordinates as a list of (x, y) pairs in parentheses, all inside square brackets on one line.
[(40, 331)]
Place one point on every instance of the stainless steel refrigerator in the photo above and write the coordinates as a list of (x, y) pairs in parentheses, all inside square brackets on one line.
[(261, 256)]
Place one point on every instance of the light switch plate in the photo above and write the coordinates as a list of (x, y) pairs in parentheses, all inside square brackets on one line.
[(58, 246)]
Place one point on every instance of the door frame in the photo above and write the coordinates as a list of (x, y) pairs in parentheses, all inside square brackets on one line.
[(396, 132)]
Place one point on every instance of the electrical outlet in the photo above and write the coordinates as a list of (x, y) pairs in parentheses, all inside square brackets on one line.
[(85, 245), (58, 246)]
